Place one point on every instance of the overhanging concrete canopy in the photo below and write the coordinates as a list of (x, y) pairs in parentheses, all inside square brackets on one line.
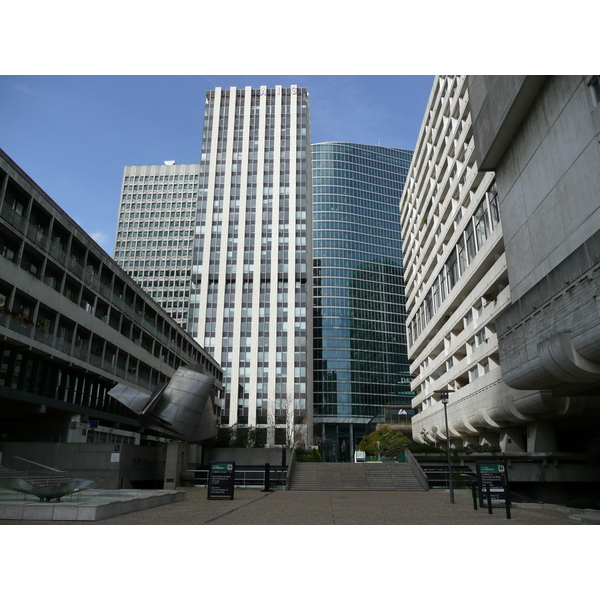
[(498, 105)]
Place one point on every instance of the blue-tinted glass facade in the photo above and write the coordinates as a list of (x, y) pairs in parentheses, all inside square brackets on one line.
[(360, 355)]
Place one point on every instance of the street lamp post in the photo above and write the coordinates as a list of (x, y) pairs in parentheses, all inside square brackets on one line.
[(444, 397)]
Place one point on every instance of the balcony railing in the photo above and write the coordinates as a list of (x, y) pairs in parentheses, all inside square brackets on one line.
[(40, 239), (21, 326)]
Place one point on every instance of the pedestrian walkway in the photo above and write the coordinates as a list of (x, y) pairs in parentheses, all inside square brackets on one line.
[(253, 507)]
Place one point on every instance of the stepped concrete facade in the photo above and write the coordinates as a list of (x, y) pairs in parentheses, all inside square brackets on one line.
[(501, 224), (456, 280)]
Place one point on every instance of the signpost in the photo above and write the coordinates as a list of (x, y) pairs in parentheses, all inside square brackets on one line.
[(221, 479), (495, 475)]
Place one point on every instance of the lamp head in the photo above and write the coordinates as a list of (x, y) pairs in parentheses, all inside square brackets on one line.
[(444, 395)]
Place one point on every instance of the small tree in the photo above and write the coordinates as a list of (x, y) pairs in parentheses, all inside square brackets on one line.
[(251, 439), (281, 412), (391, 442)]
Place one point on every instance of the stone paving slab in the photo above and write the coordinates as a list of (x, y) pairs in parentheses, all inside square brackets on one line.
[(253, 507)]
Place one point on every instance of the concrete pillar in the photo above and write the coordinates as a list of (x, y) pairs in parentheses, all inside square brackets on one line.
[(171, 466), (512, 440), (74, 431), (195, 453), (540, 437)]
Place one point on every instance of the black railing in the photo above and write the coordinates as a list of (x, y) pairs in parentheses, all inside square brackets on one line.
[(246, 476)]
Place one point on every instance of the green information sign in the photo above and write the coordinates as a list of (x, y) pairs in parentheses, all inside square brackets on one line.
[(221, 479), (495, 475), (491, 469)]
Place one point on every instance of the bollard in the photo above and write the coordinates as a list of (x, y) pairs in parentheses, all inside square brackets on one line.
[(474, 490), (489, 498), (507, 501), (267, 478)]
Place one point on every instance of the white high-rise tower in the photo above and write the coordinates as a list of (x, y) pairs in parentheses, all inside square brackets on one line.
[(251, 297)]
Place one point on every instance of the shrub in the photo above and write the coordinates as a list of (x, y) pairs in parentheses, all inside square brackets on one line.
[(584, 503), (425, 449), (310, 455), (385, 442)]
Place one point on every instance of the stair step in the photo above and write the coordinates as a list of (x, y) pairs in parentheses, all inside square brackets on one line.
[(354, 476)]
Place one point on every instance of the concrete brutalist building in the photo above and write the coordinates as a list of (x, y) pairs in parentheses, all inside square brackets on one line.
[(73, 325), (501, 224), (540, 134)]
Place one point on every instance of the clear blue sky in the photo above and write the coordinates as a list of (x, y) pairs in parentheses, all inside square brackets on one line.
[(74, 134)]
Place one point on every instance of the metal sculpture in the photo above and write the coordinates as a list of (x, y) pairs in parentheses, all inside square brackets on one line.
[(184, 407), (46, 493)]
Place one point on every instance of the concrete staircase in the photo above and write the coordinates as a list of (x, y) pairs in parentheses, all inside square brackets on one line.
[(396, 477)]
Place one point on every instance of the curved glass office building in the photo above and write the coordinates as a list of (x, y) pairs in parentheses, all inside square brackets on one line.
[(360, 355)]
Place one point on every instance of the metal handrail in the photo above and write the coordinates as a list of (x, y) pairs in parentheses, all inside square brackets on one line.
[(415, 467), (39, 464), (245, 480)]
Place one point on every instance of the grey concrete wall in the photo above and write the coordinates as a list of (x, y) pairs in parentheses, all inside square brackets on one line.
[(109, 467), (549, 182), (498, 104), (546, 163), (562, 308)]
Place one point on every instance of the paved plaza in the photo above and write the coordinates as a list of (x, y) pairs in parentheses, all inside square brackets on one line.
[(253, 507)]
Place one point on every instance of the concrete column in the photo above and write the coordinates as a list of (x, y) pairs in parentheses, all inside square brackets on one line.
[(511, 440), (74, 430), (171, 466), (540, 437)]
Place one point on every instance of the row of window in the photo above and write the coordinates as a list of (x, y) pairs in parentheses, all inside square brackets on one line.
[(365, 198), (361, 230), (362, 156), (158, 215), (160, 224), (146, 178), (159, 196), (268, 143), (323, 168), (383, 223), (129, 264), (252, 157), (158, 205), (161, 187), (325, 211)]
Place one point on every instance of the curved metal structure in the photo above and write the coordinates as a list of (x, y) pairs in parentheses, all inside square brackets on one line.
[(45, 493), (184, 407)]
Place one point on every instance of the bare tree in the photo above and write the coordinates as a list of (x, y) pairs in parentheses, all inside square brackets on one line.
[(281, 414)]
